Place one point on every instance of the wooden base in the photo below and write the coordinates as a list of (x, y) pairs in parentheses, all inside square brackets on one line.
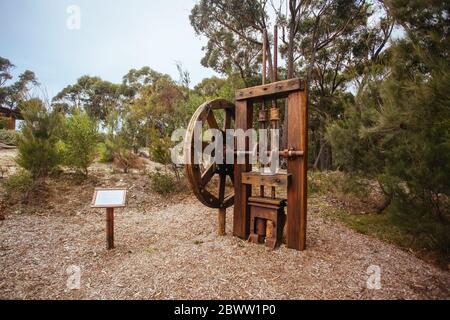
[(266, 213)]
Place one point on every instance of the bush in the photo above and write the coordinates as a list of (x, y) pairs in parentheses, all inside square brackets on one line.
[(105, 151), (162, 182), (160, 151), (9, 137), (126, 159), (20, 182), (79, 141), (37, 146), (3, 122)]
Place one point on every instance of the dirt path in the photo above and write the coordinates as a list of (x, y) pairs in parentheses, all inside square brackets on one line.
[(174, 253)]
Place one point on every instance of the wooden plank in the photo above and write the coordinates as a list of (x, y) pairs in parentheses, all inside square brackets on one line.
[(275, 202), (258, 179), (297, 166), (241, 213), (221, 221), (275, 90)]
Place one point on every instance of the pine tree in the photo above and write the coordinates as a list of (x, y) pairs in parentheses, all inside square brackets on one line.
[(37, 146)]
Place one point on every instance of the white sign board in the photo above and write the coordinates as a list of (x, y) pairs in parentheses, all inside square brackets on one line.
[(109, 198)]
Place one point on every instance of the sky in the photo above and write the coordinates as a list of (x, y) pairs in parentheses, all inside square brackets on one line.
[(61, 40)]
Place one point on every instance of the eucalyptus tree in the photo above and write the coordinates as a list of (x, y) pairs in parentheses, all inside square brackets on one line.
[(13, 95)]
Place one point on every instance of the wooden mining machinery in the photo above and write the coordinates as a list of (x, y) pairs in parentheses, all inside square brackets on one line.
[(266, 202)]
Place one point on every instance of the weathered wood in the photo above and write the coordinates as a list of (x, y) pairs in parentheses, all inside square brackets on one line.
[(275, 90), (109, 228), (297, 166), (269, 201), (266, 216), (241, 213), (257, 179), (221, 221)]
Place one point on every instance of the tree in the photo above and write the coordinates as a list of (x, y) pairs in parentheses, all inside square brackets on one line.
[(37, 147), (326, 42), (12, 95), (93, 95), (398, 129), (234, 31), (80, 141)]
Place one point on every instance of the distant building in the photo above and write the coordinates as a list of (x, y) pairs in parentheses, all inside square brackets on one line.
[(12, 115)]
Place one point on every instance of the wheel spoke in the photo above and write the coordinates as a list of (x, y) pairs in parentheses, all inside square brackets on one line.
[(227, 122), (222, 187), (212, 120), (229, 200), (208, 174)]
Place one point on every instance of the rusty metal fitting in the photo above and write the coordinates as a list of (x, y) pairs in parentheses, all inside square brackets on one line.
[(274, 114)]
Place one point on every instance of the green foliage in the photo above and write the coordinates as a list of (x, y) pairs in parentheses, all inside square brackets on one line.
[(413, 231), (230, 52), (18, 184), (80, 141), (105, 150), (162, 182), (14, 94), (159, 148), (398, 130), (3, 123), (93, 95), (9, 137), (37, 146)]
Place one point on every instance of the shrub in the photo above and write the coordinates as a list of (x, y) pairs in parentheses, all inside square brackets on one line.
[(79, 141), (160, 152), (3, 122), (105, 151), (162, 182), (126, 159), (19, 183), (37, 145), (9, 137)]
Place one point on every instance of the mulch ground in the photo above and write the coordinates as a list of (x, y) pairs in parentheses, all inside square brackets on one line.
[(167, 248)]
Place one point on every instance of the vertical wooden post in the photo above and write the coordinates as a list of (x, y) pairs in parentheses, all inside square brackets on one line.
[(297, 166), (109, 228), (221, 219), (241, 213), (11, 123)]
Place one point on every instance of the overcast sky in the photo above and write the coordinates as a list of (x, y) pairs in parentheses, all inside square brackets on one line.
[(114, 36)]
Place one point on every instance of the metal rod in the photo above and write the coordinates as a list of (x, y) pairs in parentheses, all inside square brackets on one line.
[(264, 57), (275, 53)]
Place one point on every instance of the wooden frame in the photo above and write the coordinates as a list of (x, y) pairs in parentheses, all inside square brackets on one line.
[(295, 90), (122, 205)]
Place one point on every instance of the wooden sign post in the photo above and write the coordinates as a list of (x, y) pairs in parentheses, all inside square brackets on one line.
[(109, 198)]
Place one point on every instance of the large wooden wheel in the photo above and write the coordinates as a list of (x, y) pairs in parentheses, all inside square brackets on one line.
[(208, 179)]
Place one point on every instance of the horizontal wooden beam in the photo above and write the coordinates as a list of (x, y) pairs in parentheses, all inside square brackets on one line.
[(270, 201), (258, 179), (278, 89)]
